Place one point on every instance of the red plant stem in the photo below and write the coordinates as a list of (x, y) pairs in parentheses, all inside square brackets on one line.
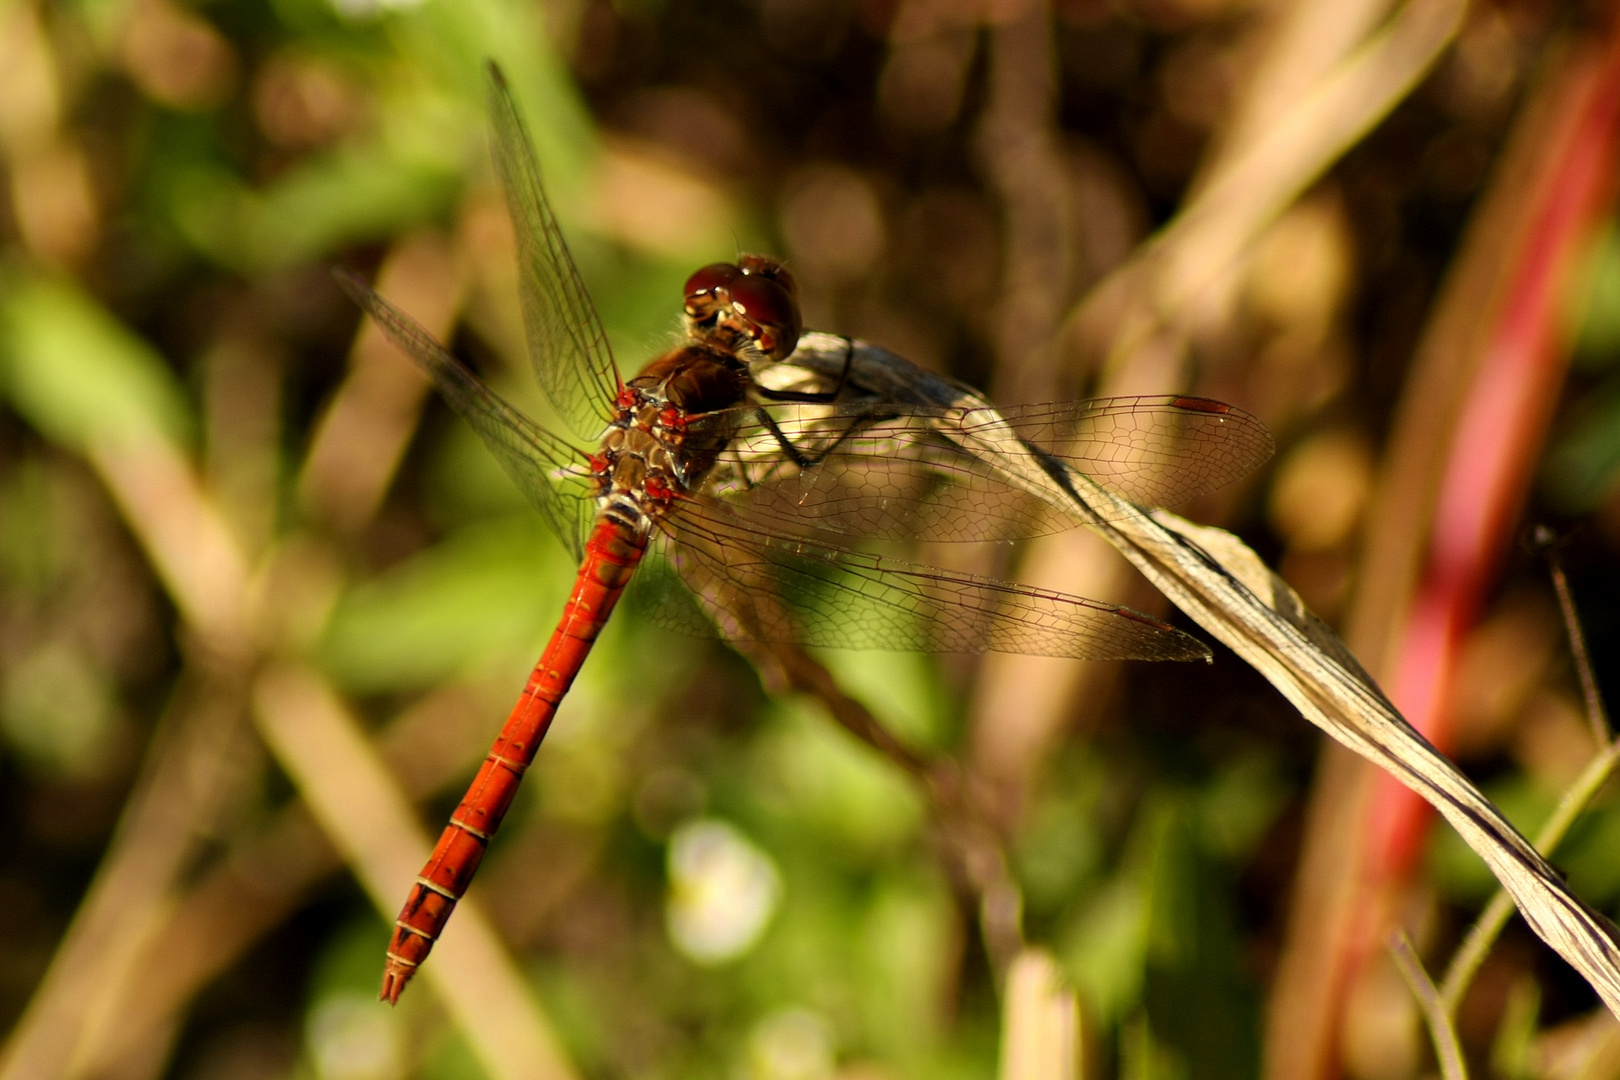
[(1499, 432)]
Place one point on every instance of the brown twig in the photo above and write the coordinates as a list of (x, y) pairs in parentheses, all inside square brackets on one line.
[(361, 807), (361, 437), (258, 884), (1597, 717), (178, 796)]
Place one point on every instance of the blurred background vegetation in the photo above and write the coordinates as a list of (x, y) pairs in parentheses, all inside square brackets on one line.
[(229, 516)]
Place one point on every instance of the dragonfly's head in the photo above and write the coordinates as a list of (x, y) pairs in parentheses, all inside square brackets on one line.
[(755, 297)]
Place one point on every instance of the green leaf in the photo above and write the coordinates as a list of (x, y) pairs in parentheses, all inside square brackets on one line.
[(1199, 1002), (454, 37), (901, 689), (1160, 934), (829, 788), (903, 970), (1060, 846), (79, 375), (485, 594), (352, 195), (1104, 948)]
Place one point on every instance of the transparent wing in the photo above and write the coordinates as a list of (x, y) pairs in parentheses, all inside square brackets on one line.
[(924, 472), (567, 345), (662, 595), (1154, 451), (551, 473), (752, 585)]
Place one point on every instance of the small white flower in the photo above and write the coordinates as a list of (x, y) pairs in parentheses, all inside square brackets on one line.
[(351, 1039), (723, 890)]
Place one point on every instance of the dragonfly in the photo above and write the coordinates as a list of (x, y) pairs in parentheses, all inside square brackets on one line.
[(743, 495)]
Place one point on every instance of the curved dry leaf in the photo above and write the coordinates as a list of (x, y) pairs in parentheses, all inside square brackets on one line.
[(1226, 588)]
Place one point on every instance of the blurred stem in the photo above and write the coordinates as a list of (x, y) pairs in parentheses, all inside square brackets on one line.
[(1454, 339), (178, 796), (1246, 193), (973, 849), (1020, 150), (1307, 40), (1040, 1025), (1256, 178), (360, 806), (365, 429), (1435, 1014), (184, 536), (1483, 935), (258, 884)]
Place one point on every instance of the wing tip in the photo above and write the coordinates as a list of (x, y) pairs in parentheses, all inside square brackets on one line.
[(1170, 643), (1184, 648)]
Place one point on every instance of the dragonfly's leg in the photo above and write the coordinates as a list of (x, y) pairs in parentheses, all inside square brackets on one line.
[(799, 457), (816, 397)]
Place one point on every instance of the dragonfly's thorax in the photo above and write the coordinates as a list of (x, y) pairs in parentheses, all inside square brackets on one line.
[(701, 376), (650, 455)]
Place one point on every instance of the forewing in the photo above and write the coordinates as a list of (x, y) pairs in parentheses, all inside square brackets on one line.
[(567, 345), (548, 471), (926, 472), (762, 587), (1152, 451)]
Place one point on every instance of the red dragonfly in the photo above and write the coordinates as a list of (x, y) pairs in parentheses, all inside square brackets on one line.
[(706, 473)]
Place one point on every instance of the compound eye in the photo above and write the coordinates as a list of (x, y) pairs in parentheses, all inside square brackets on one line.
[(766, 267), (771, 311), (702, 285)]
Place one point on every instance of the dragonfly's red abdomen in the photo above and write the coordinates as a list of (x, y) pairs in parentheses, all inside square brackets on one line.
[(611, 557)]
